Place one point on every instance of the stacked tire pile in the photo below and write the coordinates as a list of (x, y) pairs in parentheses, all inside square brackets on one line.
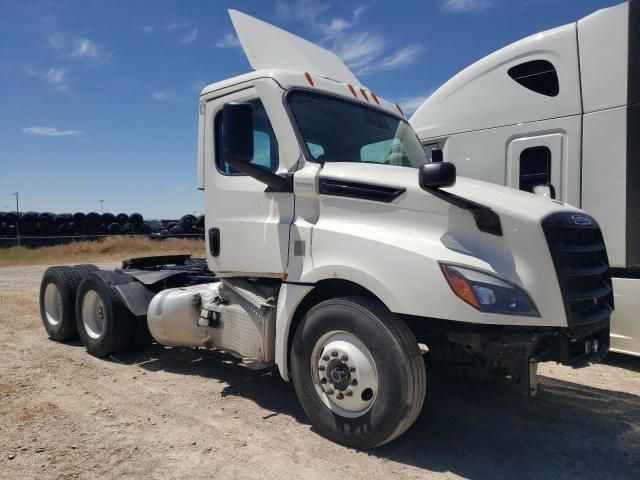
[(45, 228), (187, 225)]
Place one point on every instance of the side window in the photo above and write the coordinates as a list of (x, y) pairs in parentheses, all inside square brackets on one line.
[(265, 145), (315, 150), (537, 75), (375, 152), (430, 147), (535, 167)]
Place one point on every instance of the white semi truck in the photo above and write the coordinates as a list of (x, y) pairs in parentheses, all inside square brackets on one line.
[(558, 108), (341, 254)]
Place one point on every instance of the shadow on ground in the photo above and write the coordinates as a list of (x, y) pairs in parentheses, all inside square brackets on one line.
[(475, 430)]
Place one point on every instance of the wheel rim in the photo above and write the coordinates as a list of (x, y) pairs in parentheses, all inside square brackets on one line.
[(93, 314), (52, 304), (344, 374)]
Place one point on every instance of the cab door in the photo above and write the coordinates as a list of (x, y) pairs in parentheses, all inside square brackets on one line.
[(537, 159), (247, 226)]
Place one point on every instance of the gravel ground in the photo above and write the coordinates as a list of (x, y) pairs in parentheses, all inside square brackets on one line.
[(179, 413)]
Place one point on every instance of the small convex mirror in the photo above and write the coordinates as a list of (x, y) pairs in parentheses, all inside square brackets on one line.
[(545, 190)]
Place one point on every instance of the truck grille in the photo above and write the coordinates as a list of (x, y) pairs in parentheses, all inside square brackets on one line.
[(580, 259)]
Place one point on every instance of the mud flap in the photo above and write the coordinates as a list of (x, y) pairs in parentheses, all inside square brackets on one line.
[(520, 362)]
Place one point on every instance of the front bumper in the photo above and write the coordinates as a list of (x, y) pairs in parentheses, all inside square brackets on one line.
[(516, 351)]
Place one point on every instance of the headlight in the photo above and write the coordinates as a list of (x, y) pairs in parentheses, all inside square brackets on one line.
[(487, 292)]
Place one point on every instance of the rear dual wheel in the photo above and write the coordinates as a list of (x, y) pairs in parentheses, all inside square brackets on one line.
[(357, 371), (57, 300), (104, 323)]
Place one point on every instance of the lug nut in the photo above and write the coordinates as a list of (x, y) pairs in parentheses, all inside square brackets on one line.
[(329, 392), (322, 368), (354, 382), (352, 369), (348, 393), (323, 380), (339, 396), (325, 358), (344, 358), (334, 354)]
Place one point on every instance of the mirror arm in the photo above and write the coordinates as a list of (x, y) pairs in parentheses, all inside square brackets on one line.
[(274, 182), (486, 219)]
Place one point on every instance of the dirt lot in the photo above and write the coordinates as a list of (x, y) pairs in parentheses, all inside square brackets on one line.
[(173, 413)]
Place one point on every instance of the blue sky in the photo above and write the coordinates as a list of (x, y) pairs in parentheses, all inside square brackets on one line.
[(98, 100)]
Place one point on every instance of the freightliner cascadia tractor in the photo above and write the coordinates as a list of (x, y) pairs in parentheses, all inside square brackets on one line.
[(342, 254), (561, 109)]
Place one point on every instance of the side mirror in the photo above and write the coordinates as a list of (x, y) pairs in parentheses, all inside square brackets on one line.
[(237, 133), (237, 145), (545, 190), (436, 175)]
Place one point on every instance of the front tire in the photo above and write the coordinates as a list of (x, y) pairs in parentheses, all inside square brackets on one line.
[(104, 323), (358, 372)]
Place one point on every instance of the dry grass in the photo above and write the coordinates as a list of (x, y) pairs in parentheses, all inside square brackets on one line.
[(108, 249)]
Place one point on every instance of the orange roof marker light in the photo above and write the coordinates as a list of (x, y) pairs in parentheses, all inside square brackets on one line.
[(308, 77), (364, 94), (353, 90), (375, 98), (399, 109)]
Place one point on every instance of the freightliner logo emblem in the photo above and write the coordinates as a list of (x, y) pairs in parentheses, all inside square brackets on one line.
[(581, 219)]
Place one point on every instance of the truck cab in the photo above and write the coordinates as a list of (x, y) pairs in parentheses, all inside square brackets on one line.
[(558, 109), (342, 254)]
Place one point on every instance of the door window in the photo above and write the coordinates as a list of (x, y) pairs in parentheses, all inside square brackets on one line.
[(535, 167), (265, 145)]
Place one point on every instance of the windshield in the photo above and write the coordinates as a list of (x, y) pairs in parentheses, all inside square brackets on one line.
[(336, 130)]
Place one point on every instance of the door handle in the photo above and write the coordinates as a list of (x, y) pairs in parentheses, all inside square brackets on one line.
[(214, 241)]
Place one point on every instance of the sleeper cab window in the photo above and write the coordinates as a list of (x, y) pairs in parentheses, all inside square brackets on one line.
[(265, 145), (535, 168), (539, 76)]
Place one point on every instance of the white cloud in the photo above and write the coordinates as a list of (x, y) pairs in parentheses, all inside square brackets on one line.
[(360, 48), (84, 48), (79, 48), (182, 32), (177, 26), (51, 132), (190, 36), (336, 26), (393, 61), (463, 6), (302, 9), (411, 104), (364, 51), (163, 96), (230, 40), (55, 77)]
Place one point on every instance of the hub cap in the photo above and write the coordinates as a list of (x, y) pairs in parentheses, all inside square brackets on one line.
[(52, 304), (344, 374), (93, 314)]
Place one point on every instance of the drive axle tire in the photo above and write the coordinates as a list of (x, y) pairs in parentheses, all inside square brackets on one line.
[(104, 323), (357, 371), (57, 302), (85, 269)]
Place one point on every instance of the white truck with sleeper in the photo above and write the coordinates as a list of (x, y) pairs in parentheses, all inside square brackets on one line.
[(558, 111), (341, 253)]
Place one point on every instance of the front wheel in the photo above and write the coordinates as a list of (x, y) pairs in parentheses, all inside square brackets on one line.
[(357, 371)]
